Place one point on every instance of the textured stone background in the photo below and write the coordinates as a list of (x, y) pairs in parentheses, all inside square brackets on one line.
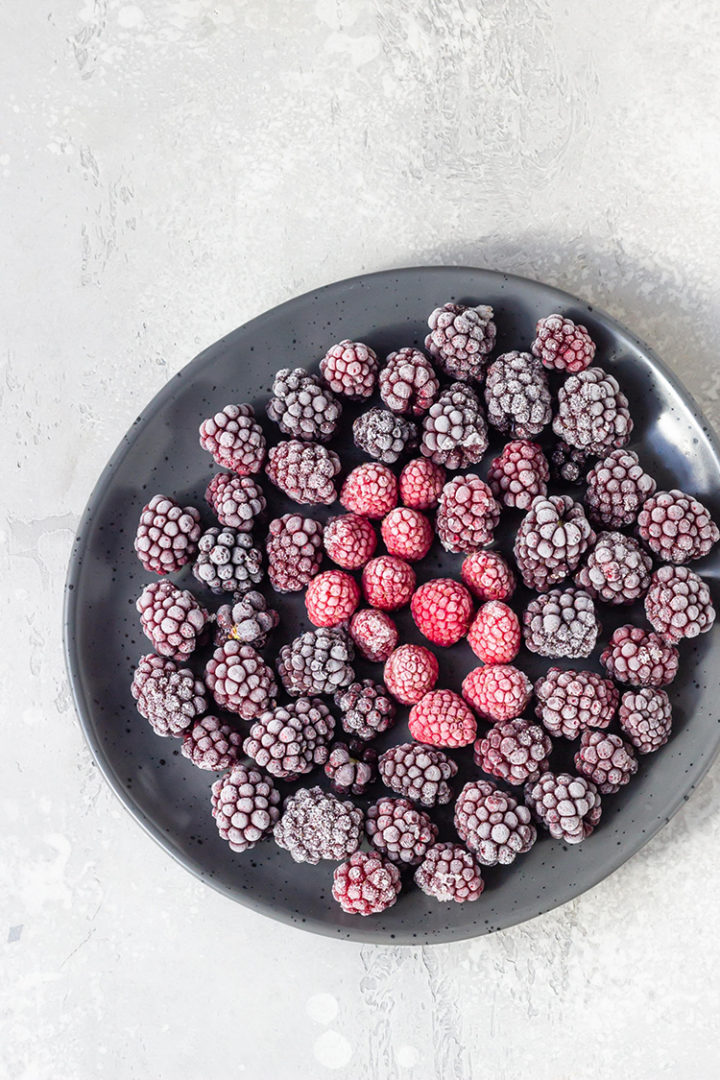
[(170, 168)]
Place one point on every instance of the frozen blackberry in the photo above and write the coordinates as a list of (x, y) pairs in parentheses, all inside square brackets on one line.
[(294, 551), (449, 872), (245, 805), (302, 407), (561, 623), (552, 538), (460, 339), (568, 806), (240, 680), (640, 658), (519, 474), (616, 489), (563, 345), (493, 824), (238, 501), (350, 368), (678, 604), (568, 465), (171, 618), (167, 535), (248, 621), (366, 884), (570, 701), (383, 435), (454, 430), (513, 750), (617, 570), (304, 471), (677, 527), (317, 662), (646, 718), (593, 412), (228, 562), (315, 825), (399, 831), (366, 710), (408, 383), (420, 773), (351, 767), (517, 395), (235, 439), (211, 744), (291, 740), (168, 697), (605, 759), (468, 514)]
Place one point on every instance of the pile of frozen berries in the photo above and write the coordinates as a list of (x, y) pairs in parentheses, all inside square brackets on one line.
[(345, 743)]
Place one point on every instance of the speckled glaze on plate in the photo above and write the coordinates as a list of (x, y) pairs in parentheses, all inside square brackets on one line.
[(170, 798)]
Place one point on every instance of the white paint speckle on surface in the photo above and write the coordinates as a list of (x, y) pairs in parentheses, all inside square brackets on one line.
[(170, 169)]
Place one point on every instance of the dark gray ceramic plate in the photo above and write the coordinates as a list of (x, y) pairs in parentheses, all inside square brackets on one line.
[(170, 798)]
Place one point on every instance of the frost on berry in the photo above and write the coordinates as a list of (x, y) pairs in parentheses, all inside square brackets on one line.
[(317, 662), (399, 831), (245, 805), (460, 338), (640, 657), (421, 483), (350, 368), (235, 439), (488, 576), (383, 435), (407, 533), (605, 759), (561, 623), (442, 718), (370, 489), (449, 872), (388, 582), (519, 474), (562, 344), (568, 806), (570, 701), (302, 407), (366, 884), (494, 635), (294, 551), (442, 609), (238, 501), (468, 514), (617, 570), (172, 619), (291, 740), (331, 598), (646, 718), (350, 540), (517, 395), (552, 538), (315, 825), (454, 429), (410, 672), (420, 773), (513, 750), (677, 527), (304, 471), (493, 824), (408, 383), (593, 412), (168, 697), (616, 489), (240, 680), (366, 710), (678, 604), (497, 691), (374, 633), (167, 535)]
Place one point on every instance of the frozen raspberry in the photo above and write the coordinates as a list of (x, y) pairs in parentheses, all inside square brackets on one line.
[(678, 604), (561, 623), (488, 576), (460, 339), (562, 344), (304, 471), (374, 633), (245, 807), (454, 429), (616, 489), (366, 884), (646, 718), (468, 514), (350, 540), (388, 582), (493, 824), (421, 482), (410, 673), (238, 501), (210, 744), (569, 701), (497, 692), (592, 412), (677, 527), (513, 750), (605, 759), (442, 610), (519, 474), (407, 534), (228, 562), (171, 618), (302, 407), (449, 872), (370, 489), (408, 383), (240, 680), (248, 621), (569, 465), (291, 740), (640, 658), (170, 699), (317, 662), (350, 368), (517, 395), (167, 535), (552, 538), (351, 768), (442, 718), (383, 435), (617, 570), (315, 826), (235, 439), (331, 598), (366, 710), (494, 635), (294, 551), (399, 831), (568, 806), (418, 772)]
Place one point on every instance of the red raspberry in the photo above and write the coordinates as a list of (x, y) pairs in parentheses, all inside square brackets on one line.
[(410, 673), (495, 634), (407, 533), (388, 582), (442, 718), (349, 540), (562, 344), (498, 692), (488, 576), (370, 489), (366, 884), (442, 610), (331, 598), (374, 633), (468, 514), (421, 483)]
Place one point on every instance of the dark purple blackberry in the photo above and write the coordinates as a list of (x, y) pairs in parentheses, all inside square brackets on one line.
[(563, 345), (227, 562), (315, 825), (351, 767), (408, 383), (211, 744), (245, 805), (552, 538), (304, 471), (366, 709), (517, 395), (302, 407), (646, 718), (420, 773), (616, 489), (383, 435), (593, 412), (248, 621), (294, 551), (519, 474), (235, 439), (561, 623), (449, 872), (170, 699), (238, 501), (493, 824), (640, 658), (240, 680), (468, 514), (678, 604), (167, 535), (605, 759), (617, 570), (350, 368), (399, 831), (460, 339), (570, 701), (677, 527), (568, 465), (172, 619), (513, 750), (454, 429), (291, 740), (366, 884), (317, 662), (568, 806)]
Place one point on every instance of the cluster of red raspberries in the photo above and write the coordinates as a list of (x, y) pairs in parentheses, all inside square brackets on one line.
[(254, 720)]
